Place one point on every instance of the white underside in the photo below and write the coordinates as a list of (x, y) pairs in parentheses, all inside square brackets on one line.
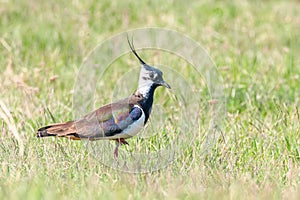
[(132, 129)]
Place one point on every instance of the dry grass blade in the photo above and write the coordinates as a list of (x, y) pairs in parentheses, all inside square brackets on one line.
[(8, 120)]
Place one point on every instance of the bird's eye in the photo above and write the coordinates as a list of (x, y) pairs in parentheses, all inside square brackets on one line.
[(151, 75)]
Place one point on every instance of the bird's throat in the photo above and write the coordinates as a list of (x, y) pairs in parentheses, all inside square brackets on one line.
[(146, 103)]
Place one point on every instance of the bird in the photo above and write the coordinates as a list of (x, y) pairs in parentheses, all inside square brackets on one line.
[(119, 120)]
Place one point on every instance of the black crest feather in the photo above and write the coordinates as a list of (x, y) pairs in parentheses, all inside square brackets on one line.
[(133, 50)]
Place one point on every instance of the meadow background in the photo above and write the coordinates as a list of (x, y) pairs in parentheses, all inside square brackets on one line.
[(255, 45)]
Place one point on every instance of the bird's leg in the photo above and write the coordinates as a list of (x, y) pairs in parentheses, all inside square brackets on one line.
[(123, 141), (118, 142), (116, 152)]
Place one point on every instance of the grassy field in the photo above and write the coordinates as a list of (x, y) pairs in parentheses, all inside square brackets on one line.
[(255, 46)]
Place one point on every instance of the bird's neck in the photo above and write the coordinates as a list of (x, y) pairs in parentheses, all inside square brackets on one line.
[(147, 91)]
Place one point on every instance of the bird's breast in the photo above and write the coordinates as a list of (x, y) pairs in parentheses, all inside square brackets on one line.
[(132, 129)]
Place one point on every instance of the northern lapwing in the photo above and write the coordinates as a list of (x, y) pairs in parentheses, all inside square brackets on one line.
[(116, 121)]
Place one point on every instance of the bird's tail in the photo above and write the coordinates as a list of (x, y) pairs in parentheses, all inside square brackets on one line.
[(61, 130)]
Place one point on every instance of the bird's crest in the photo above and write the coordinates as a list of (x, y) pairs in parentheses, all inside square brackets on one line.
[(133, 50)]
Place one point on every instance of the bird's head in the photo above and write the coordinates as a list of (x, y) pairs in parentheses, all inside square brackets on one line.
[(149, 76)]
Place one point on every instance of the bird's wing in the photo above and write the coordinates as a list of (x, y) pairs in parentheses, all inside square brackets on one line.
[(107, 121), (102, 123)]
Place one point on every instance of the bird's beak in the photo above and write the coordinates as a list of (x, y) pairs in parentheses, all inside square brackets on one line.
[(163, 83)]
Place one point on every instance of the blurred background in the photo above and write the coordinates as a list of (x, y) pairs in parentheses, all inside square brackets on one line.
[(255, 46)]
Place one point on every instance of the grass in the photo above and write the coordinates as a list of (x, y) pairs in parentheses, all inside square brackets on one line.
[(255, 46)]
